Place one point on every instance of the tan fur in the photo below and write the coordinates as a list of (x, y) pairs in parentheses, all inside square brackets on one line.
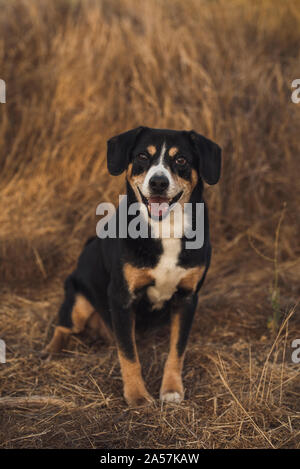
[(151, 150), (59, 340), (134, 181), (172, 381), (191, 279), (81, 312), (138, 179), (136, 278), (186, 186), (135, 391), (182, 184), (98, 328), (173, 151), (194, 179)]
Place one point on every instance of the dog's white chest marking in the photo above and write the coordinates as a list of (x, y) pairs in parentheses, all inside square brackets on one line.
[(167, 274)]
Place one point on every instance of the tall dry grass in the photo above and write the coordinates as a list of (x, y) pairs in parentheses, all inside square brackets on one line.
[(78, 72)]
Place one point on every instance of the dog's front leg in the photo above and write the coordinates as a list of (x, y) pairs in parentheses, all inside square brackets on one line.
[(135, 391), (181, 321)]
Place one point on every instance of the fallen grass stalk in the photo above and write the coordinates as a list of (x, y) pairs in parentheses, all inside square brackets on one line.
[(33, 401)]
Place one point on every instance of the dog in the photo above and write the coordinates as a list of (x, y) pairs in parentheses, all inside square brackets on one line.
[(123, 283)]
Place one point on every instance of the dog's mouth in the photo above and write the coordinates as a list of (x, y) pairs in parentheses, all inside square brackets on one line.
[(159, 206)]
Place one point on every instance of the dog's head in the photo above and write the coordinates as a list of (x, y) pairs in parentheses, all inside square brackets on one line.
[(163, 166)]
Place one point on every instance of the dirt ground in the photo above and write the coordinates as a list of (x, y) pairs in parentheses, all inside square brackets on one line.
[(78, 73)]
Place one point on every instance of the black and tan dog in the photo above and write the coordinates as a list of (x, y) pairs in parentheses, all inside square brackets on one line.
[(121, 283)]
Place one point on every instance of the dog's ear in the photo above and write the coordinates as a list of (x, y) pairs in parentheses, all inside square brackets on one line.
[(119, 149), (209, 157)]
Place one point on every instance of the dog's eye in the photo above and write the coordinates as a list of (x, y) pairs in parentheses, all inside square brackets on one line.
[(142, 157), (180, 160)]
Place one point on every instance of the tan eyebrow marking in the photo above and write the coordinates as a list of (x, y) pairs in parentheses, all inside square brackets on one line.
[(151, 149), (173, 151)]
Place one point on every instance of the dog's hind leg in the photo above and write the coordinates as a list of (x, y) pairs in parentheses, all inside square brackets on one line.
[(58, 342), (73, 316), (81, 313), (98, 328)]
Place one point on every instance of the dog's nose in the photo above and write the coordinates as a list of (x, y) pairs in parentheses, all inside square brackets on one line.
[(159, 184)]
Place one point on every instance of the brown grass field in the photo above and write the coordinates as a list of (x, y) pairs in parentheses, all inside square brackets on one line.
[(78, 73)]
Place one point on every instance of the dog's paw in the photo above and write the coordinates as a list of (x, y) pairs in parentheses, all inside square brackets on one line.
[(58, 342), (171, 396), (47, 354), (138, 399), (172, 388), (44, 354)]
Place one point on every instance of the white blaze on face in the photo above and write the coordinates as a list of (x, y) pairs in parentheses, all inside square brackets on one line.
[(159, 169)]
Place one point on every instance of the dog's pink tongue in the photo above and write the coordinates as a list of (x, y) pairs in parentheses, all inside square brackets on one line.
[(158, 206)]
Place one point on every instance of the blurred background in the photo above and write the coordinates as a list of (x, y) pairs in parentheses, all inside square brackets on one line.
[(79, 72)]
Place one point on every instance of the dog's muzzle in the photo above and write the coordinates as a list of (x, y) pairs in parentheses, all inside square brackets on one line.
[(158, 184), (159, 205)]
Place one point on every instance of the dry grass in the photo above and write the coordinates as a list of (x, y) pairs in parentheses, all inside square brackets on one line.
[(76, 74)]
